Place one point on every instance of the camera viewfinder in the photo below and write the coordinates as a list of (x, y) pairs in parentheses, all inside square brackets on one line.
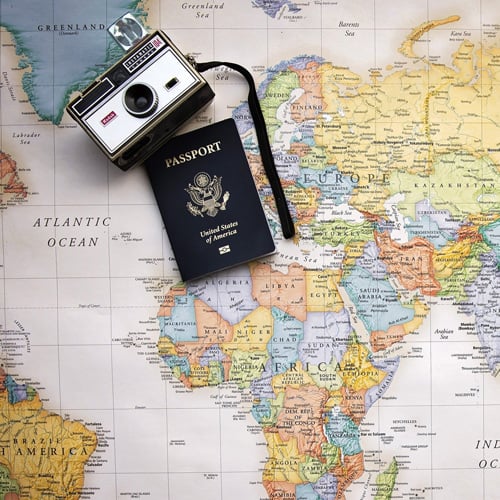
[(172, 83)]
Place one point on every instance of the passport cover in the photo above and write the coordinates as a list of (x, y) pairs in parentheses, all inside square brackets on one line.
[(208, 200)]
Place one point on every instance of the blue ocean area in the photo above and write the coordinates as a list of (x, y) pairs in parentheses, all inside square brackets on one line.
[(66, 45)]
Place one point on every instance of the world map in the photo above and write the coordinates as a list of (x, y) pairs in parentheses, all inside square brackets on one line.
[(349, 364)]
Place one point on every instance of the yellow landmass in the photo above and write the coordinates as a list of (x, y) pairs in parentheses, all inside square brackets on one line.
[(326, 376), (44, 453), (357, 371), (199, 376), (166, 347), (483, 219), (284, 462), (353, 251), (247, 366), (336, 398), (407, 46), (295, 377), (252, 334), (322, 292), (408, 120), (461, 183), (305, 202), (421, 312), (450, 258), (463, 60)]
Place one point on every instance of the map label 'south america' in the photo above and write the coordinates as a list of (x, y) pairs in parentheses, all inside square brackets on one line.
[(42, 455)]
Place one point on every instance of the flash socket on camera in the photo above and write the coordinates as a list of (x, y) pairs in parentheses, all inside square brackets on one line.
[(119, 76), (140, 100), (172, 83)]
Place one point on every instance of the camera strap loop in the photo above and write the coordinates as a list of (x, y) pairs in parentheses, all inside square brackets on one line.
[(264, 145)]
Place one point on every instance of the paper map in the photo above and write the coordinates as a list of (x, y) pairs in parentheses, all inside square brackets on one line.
[(358, 362)]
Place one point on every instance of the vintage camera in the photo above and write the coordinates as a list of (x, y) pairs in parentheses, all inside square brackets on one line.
[(135, 106)]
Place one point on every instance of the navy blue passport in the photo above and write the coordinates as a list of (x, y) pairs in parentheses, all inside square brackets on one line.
[(208, 200)]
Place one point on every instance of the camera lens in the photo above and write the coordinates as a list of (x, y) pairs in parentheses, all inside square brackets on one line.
[(140, 100)]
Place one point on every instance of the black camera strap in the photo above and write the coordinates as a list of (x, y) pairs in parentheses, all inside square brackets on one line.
[(264, 146)]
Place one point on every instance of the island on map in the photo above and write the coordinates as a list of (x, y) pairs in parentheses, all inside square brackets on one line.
[(275, 8), (64, 56), (12, 190)]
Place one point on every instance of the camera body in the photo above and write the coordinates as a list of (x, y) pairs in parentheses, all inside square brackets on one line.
[(136, 105)]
